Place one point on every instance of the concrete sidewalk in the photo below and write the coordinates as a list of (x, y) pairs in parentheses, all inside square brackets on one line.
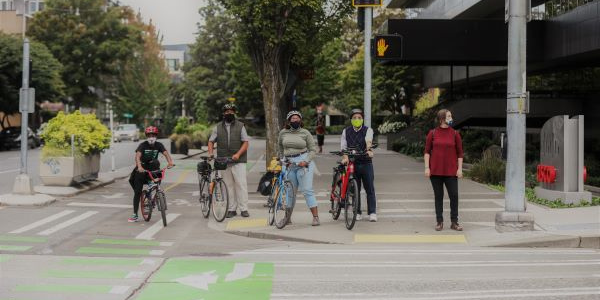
[(406, 212)]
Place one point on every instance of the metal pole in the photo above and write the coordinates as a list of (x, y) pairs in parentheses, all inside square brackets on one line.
[(25, 114), (514, 217), (112, 143), (367, 97)]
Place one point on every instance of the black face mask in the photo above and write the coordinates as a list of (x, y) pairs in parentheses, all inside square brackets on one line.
[(229, 118), (295, 125)]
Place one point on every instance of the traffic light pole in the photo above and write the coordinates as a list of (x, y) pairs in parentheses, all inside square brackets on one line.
[(367, 96), (22, 183), (515, 217)]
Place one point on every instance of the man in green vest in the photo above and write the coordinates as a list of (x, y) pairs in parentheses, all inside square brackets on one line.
[(232, 141)]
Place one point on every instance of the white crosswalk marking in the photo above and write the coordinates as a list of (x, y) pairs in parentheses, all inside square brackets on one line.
[(43, 221), (149, 233), (107, 205), (67, 223)]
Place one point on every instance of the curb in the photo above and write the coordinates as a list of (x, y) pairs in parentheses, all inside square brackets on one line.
[(276, 237), (587, 242)]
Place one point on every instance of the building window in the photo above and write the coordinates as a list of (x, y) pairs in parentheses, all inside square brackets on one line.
[(40, 5), (6, 5), (173, 64), (32, 7)]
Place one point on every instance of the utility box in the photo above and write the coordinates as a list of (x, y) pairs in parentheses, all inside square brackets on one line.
[(561, 172)]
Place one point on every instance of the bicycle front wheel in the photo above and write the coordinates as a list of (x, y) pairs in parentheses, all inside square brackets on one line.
[(146, 206), (162, 206), (351, 205), (284, 205), (271, 203), (220, 201), (205, 197)]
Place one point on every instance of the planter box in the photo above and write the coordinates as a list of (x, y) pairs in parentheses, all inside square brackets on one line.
[(65, 171)]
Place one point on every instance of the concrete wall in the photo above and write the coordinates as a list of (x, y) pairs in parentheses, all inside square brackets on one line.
[(11, 23)]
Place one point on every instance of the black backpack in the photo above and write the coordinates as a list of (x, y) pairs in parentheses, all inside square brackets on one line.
[(264, 185)]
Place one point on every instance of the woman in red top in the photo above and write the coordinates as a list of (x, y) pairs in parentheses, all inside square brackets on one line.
[(443, 166)]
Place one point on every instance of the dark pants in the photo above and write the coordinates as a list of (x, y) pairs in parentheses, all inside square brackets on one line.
[(137, 181), (320, 139), (363, 172), (451, 182)]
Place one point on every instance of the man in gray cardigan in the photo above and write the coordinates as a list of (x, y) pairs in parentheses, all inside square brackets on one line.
[(232, 141)]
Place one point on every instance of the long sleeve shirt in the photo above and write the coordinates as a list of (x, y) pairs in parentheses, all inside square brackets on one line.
[(444, 145), (292, 142)]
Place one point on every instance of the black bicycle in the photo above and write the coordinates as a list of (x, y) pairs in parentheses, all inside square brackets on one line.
[(213, 190), (153, 196)]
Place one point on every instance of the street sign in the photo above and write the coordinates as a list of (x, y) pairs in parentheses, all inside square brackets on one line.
[(367, 3), (388, 47), (128, 115), (27, 100)]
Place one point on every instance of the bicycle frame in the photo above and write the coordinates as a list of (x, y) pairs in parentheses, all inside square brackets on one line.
[(346, 179)]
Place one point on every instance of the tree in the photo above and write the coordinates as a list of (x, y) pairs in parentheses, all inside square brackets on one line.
[(280, 35), (144, 79), (91, 40), (396, 86), (45, 77), (324, 87), (205, 75), (243, 82)]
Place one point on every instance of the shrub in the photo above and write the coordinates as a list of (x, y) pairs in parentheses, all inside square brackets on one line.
[(391, 127), (91, 137), (490, 169), (414, 149), (475, 142), (183, 142)]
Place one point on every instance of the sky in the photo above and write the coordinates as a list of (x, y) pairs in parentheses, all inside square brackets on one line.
[(176, 19)]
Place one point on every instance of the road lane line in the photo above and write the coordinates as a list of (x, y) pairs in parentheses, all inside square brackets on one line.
[(118, 251), (107, 205), (119, 289), (434, 265), (43, 221), (9, 171), (67, 223), (149, 233), (394, 238), (179, 181)]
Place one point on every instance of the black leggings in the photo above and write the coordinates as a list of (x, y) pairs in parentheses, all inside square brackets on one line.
[(451, 182), (137, 181)]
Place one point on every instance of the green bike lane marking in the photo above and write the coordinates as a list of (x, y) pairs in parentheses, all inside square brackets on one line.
[(192, 279), (118, 251), (25, 239), (4, 258), (103, 261), (14, 248)]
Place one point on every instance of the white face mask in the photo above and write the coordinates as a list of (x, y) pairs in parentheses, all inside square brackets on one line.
[(151, 140)]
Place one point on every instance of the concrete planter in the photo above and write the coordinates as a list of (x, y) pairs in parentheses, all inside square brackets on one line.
[(65, 171)]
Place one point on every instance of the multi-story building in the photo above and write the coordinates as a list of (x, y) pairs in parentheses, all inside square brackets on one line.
[(12, 13), (175, 58)]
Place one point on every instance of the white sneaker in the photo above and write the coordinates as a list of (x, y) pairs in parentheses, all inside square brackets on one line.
[(372, 218), (358, 217)]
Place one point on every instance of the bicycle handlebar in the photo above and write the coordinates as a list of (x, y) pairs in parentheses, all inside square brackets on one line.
[(161, 171), (353, 151)]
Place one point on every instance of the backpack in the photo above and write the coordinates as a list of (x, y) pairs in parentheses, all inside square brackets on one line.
[(264, 185)]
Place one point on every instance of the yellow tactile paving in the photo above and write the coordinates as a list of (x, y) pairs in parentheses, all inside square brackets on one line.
[(246, 223)]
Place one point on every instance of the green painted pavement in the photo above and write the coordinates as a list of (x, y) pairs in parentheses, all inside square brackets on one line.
[(25, 239), (86, 274), (14, 248), (64, 288), (178, 280), (4, 258), (126, 242), (103, 261), (123, 251)]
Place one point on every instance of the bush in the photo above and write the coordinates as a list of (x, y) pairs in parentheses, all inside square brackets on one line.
[(183, 142), (91, 137), (335, 129), (391, 127), (182, 126), (475, 142), (490, 169), (414, 149)]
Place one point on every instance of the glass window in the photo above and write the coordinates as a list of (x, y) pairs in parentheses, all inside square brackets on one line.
[(41, 5), (3, 5), (32, 7), (173, 64)]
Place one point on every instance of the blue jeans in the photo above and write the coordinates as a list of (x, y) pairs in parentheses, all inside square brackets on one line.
[(364, 174), (302, 179)]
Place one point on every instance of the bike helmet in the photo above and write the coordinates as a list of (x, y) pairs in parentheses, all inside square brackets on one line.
[(292, 113), (229, 106), (151, 130), (357, 111)]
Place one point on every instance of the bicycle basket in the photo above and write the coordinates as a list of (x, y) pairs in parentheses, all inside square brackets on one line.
[(220, 164), (274, 166), (204, 168)]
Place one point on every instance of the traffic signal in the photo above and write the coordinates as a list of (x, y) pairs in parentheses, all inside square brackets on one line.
[(388, 47), (366, 3)]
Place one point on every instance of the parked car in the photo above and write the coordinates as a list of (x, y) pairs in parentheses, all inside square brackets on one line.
[(126, 132), (10, 138)]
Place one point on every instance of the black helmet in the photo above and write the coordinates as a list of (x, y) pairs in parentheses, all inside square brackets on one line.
[(293, 113), (357, 111), (229, 106)]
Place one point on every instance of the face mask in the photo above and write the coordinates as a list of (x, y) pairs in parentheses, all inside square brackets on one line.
[(295, 125), (229, 118), (450, 122), (357, 122), (151, 140)]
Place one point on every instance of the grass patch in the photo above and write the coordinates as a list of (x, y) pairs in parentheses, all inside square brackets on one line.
[(531, 197)]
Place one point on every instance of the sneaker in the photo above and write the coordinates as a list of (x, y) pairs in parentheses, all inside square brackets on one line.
[(133, 218), (231, 214), (358, 217), (245, 214), (315, 221), (372, 218)]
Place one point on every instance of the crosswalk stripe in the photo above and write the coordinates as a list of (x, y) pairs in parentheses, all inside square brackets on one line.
[(14, 248), (393, 238), (118, 251), (107, 205), (149, 233), (67, 223), (43, 221), (400, 210)]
